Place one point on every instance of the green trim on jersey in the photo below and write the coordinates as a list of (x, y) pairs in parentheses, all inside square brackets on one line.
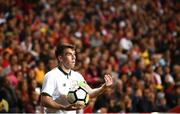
[(82, 83)]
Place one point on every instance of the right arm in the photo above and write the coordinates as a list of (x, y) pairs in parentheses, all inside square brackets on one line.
[(47, 101)]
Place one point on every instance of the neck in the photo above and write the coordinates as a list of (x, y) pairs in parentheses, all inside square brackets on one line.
[(67, 70)]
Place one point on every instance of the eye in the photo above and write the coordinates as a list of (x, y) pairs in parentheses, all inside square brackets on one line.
[(68, 54)]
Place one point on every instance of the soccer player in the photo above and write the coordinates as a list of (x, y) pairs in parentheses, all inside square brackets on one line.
[(59, 80)]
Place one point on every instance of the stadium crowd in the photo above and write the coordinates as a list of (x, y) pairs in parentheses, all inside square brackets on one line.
[(134, 40)]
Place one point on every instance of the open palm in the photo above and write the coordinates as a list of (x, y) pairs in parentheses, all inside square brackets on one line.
[(108, 80)]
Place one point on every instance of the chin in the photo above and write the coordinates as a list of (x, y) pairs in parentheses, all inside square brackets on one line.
[(72, 66)]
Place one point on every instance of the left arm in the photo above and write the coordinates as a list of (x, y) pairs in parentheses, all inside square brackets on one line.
[(97, 91)]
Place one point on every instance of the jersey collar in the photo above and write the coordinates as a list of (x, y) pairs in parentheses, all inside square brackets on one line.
[(65, 73)]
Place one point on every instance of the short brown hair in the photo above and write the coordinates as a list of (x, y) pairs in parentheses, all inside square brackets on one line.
[(60, 48)]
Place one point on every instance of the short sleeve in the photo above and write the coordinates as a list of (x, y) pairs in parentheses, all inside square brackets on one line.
[(49, 84)]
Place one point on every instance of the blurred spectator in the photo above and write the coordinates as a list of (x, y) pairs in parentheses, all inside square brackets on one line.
[(39, 73), (23, 97), (102, 103), (8, 93), (34, 95)]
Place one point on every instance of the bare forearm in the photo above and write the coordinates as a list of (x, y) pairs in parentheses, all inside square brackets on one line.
[(46, 101), (97, 91)]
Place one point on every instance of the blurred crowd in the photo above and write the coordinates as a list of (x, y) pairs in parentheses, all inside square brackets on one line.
[(134, 40)]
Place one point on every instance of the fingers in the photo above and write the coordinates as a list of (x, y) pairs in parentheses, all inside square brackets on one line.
[(75, 106), (79, 105), (108, 79)]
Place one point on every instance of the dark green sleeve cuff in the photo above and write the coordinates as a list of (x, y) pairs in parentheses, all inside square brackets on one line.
[(45, 94)]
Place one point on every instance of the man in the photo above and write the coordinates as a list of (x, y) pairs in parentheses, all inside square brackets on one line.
[(59, 80)]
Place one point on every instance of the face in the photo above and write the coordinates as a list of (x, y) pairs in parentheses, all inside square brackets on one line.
[(68, 58)]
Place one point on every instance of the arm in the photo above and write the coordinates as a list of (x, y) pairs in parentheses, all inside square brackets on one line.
[(97, 91), (47, 101)]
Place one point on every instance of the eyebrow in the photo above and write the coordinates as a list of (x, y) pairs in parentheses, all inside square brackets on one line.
[(70, 53)]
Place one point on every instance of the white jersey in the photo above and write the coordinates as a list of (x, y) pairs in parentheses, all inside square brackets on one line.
[(57, 84)]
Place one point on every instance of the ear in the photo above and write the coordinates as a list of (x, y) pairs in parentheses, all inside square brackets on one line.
[(59, 58)]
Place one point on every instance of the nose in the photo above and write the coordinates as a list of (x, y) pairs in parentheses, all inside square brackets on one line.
[(73, 56)]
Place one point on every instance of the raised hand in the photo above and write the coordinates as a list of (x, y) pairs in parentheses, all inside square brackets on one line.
[(108, 80)]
